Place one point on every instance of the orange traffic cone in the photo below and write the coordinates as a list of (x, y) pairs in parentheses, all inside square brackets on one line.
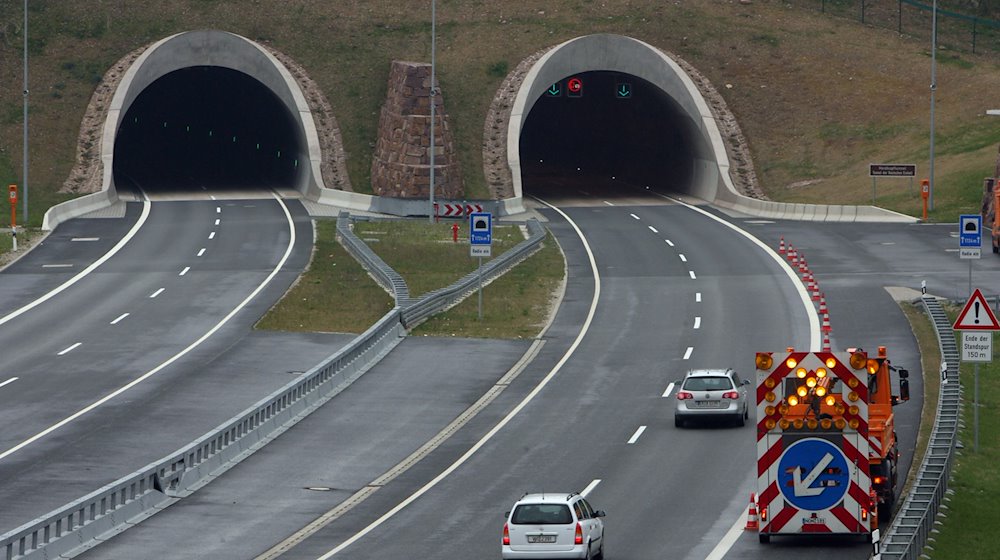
[(822, 303), (826, 323), (752, 524), (826, 342), (781, 246)]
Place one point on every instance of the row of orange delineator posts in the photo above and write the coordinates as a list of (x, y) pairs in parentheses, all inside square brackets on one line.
[(798, 261)]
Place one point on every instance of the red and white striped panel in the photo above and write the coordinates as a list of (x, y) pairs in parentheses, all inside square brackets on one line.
[(783, 517)]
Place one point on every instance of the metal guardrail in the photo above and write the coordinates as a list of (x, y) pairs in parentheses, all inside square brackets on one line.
[(84, 523), (914, 522), (443, 298), (382, 272)]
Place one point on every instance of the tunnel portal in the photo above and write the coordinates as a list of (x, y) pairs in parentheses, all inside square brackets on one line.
[(606, 132), (207, 128)]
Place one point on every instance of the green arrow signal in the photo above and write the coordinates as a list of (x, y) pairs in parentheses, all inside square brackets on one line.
[(554, 90), (624, 90)]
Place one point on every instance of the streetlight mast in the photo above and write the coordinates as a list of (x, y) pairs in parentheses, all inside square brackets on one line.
[(930, 199), (24, 217), (432, 146)]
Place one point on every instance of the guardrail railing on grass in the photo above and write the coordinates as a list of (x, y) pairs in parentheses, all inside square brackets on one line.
[(82, 524), (914, 522), (382, 272)]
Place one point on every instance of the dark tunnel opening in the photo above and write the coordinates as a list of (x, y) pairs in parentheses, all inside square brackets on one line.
[(207, 128), (618, 133)]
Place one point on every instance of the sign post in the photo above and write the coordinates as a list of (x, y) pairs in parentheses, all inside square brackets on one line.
[(891, 170), (480, 245), (977, 323), (13, 216)]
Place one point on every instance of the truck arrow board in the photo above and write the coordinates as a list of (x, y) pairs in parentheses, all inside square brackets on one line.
[(828, 478), (804, 487)]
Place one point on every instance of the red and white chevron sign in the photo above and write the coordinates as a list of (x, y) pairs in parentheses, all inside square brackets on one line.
[(449, 210), (813, 472)]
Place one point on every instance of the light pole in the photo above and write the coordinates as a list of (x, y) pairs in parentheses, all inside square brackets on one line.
[(432, 146), (24, 217), (933, 88)]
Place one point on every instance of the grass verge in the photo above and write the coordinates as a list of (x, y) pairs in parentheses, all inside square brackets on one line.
[(336, 294)]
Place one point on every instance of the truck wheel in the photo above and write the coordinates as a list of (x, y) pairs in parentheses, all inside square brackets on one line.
[(764, 539)]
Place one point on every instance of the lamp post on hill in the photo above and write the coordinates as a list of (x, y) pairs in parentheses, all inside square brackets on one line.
[(24, 217), (933, 88), (432, 147)]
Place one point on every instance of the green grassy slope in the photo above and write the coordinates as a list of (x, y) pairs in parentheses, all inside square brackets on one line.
[(818, 97)]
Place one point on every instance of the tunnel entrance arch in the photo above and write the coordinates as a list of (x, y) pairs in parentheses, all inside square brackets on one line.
[(220, 105), (690, 116)]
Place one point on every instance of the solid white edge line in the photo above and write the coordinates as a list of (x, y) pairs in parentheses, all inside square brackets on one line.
[(185, 271), (506, 419), (731, 536), (635, 436), (120, 317), (70, 349), (118, 246), (156, 293), (590, 487), (9, 381), (670, 388), (177, 356), (687, 353)]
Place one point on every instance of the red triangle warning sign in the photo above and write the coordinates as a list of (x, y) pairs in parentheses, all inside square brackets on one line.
[(977, 315)]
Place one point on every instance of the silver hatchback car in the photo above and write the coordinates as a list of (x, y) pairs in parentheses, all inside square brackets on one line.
[(708, 393), (553, 525)]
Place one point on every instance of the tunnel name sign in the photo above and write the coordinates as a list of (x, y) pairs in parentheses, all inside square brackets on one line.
[(480, 234)]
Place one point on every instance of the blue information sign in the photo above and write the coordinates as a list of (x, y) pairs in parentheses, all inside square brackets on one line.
[(480, 228), (970, 230), (813, 474)]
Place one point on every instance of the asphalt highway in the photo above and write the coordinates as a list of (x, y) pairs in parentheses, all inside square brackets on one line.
[(113, 358)]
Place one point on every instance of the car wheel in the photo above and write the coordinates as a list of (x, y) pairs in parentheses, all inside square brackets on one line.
[(678, 422), (741, 420), (588, 557), (600, 552), (746, 412)]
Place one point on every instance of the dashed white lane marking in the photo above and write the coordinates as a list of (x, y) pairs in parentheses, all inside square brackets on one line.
[(217, 221), (156, 293), (185, 271), (608, 203), (142, 219), (119, 319), (584, 329), (86, 239), (9, 381), (57, 266), (697, 322), (70, 349), (634, 216), (218, 210), (669, 389), (212, 196), (211, 235), (693, 277), (590, 487), (653, 229), (697, 297), (260, 287), (669, 242), (683, 258), (635, 436), (687, 353), (202, 252)]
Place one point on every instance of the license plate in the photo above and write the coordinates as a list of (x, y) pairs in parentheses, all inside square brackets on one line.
[(539, 539), (707, 404)]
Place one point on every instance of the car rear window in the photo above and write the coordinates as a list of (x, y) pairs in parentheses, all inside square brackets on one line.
[(708, 384), (541, 514)]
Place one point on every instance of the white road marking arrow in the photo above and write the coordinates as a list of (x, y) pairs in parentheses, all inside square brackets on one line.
[(802, 487)]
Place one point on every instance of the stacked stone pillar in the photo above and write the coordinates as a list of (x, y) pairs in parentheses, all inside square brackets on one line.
[(401, 162)]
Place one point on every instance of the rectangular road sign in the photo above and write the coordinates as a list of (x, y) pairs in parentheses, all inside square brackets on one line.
[(968, 253), (480, 228), (480, 250), (977, 346), (892, 170), (970, 228)]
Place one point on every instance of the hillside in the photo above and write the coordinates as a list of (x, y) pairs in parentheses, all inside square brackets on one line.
[(819, 97)]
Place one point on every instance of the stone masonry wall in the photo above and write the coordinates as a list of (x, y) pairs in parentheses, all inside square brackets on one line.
[(401, 162)]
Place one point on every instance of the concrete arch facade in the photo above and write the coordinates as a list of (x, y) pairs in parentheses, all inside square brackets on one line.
[(606, 52)]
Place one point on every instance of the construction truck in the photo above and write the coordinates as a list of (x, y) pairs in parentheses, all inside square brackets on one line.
[(826, 442)]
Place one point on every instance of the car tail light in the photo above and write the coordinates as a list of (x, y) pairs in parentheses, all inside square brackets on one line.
[(506, 535), (682, 395), (731, 395), (579, 534)]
